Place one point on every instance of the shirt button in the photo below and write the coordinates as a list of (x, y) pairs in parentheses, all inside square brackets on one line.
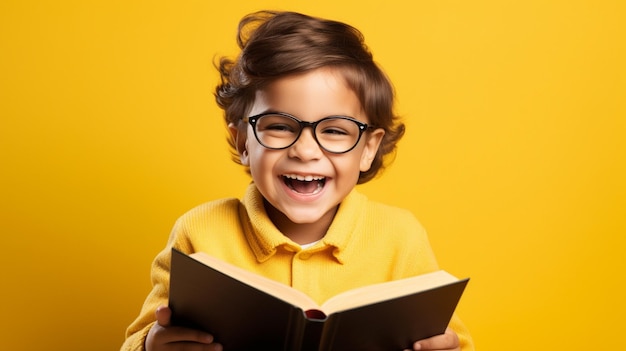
[(304, 256)]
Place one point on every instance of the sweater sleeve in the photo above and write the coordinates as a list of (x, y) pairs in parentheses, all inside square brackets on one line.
[(138, 330), (160, 275), (465, 339), (418, 258)]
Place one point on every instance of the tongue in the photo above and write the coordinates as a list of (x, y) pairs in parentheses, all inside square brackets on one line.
[(303, 187)]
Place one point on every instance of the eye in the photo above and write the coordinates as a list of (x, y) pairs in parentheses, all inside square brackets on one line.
[(337, 128), (334, 130), (278, 127), (277, 124)]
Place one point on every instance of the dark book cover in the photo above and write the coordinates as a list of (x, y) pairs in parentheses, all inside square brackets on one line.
[(243, 318)]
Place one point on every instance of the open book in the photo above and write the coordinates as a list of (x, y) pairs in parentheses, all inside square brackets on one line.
[(246, 311)]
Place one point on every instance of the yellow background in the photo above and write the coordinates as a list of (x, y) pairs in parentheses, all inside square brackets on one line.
[(513, 160)]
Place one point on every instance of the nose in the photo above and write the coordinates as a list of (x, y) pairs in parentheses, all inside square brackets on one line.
[(306, 147)]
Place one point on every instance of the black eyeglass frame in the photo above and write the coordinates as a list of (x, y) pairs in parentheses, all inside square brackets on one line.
[(252, 120)]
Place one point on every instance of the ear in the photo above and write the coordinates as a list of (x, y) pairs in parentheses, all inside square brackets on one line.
[(372, 143), (239, 137)]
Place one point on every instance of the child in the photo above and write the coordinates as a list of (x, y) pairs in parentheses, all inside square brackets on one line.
[(310, 116)]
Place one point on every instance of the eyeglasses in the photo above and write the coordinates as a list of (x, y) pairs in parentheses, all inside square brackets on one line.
[(335, 134)]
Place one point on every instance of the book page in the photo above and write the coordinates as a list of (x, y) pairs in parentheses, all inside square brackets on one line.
[(385, 291)]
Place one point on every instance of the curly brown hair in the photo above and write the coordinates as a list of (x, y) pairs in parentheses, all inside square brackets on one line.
[(277, 44)]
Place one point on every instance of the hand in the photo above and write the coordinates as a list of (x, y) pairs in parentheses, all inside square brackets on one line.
[(164, 337), (447, 341)]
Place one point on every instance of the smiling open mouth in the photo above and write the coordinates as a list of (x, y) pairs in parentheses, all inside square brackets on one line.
[(308, 185)]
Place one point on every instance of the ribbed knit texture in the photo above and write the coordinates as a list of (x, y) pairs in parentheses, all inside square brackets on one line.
[(367, 243)]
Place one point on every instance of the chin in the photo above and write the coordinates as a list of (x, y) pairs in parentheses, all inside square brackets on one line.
[(308, 216), (304, 219)]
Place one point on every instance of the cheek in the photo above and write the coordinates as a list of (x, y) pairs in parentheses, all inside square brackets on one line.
[(253, 150), (258, 170), (349, 167), (261, 160)]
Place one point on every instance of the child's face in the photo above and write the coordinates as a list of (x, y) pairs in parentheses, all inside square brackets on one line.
[(309, 97)]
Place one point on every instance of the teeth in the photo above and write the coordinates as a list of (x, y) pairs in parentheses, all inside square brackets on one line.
[(302, 178)]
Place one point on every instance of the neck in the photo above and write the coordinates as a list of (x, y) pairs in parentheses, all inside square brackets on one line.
[(301, 233)]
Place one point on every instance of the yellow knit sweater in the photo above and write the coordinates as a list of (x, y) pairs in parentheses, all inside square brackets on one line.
[(367, 243)]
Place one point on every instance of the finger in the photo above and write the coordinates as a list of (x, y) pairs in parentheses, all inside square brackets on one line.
[(179, 334), (193, 335), (163, 315), (446, 341)]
